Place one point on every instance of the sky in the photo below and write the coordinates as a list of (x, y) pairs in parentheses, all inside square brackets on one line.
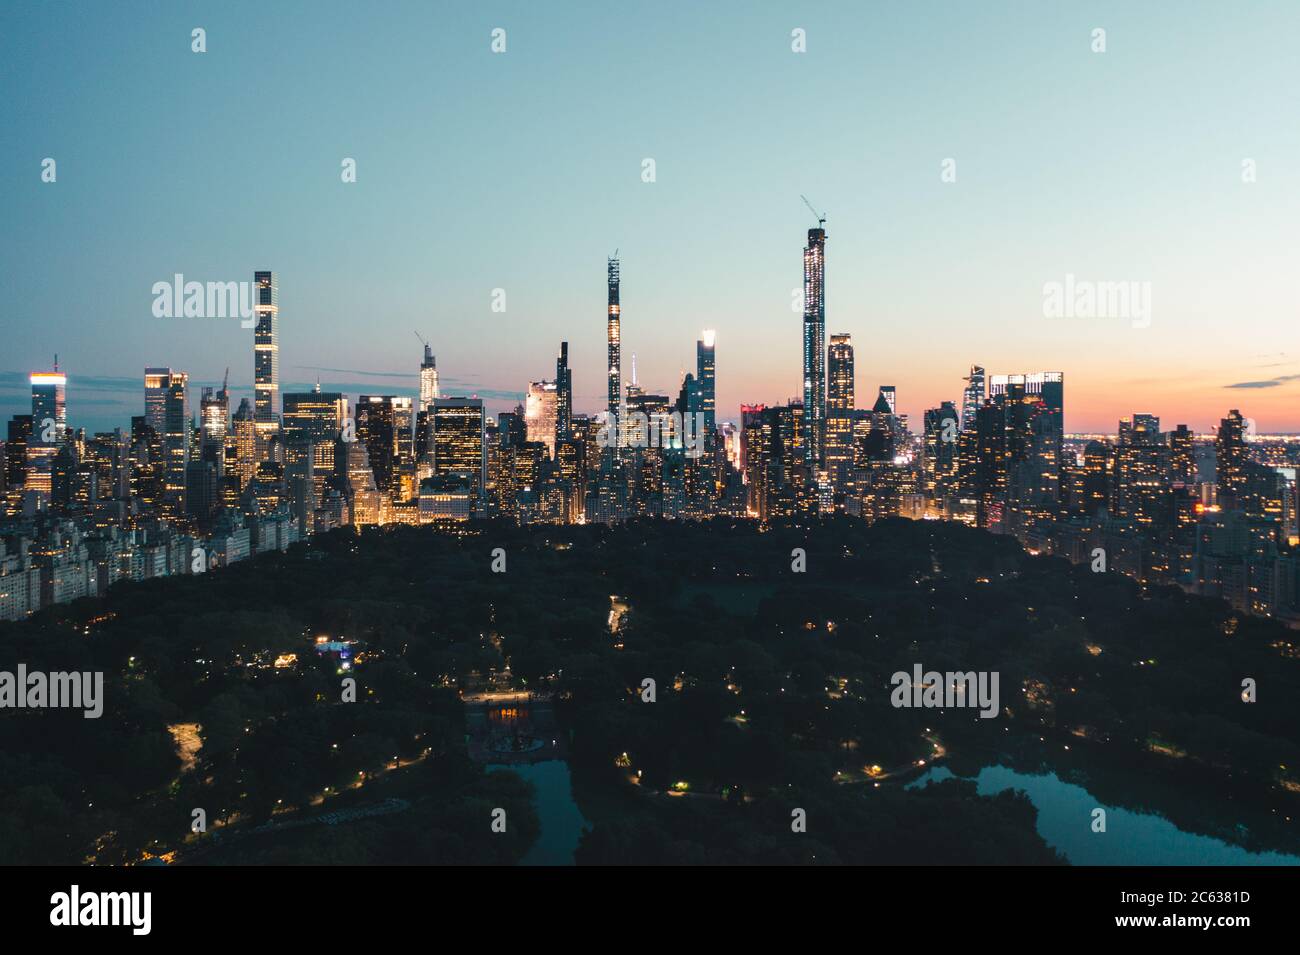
[(523, 170)]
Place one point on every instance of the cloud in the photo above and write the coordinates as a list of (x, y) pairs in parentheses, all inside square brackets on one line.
[(1268, 383), (364, 374)]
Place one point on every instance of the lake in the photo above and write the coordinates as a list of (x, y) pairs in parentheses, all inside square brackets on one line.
[(1131, 838), (562, 822)]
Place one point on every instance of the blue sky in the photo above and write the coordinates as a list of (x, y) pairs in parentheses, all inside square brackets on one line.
[(522, 171)]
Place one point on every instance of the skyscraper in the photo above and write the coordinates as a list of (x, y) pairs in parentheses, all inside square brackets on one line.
[(266, 351), (312, 423), (166, 409), (15, 448), (840, 402), (1230, 459), (614, 338), (972, 397), (214, 423), (756, 439), (540, 414), (814, 346), (563, 395), (1182, 456), (384, 424), (244, 431), (428, 379), (940, 450), (890, 395), (49, 404), (458, 440), (706, 378), (49, 427)]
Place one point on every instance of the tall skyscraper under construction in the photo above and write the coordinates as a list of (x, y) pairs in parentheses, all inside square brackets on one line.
[(428, 379), (814, 345)]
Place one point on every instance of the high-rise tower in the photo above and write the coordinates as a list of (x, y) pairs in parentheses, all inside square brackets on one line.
[(814, 346), (167, 411), (428, 379), (49, 426), (541, 415), (563, 395), (615, 341), (972, 397), (1230, 459), (840, 403), (706, 379), (266, 351), (49, 404)]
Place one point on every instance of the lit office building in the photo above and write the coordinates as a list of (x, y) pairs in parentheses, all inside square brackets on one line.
[(15, 457), (755, 457), (166, 411), (1182, 456), (243, 443), (49, 427), (458, 439), (312, 423), (840, 402), (214, 424), (1230, 459), (540, 414), (385, 426), (940, 462)]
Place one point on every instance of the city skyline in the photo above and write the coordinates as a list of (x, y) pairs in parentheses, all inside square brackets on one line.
[(920, 488), (934, 275), (266, 389)]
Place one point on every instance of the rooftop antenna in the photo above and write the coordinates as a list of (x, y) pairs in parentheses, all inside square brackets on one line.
[(821, 216)]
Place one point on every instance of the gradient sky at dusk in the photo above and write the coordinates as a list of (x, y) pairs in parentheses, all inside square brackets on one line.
[(522, 171)]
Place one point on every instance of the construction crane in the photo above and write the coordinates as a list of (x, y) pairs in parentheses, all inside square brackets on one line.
[(821, 216), (421, 338), (226, 380)]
